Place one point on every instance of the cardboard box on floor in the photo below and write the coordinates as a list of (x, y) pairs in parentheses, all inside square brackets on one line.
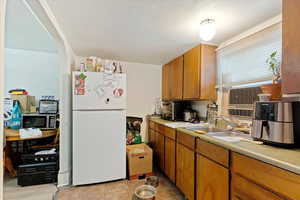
[(139, 158), (26, 102)]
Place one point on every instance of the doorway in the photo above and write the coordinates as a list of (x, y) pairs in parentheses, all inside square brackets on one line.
[(31, 85)]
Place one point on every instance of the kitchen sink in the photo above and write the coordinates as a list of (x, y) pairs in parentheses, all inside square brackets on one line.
[(204, 129), (229, 136)]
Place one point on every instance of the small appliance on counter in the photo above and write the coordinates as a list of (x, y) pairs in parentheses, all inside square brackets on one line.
[(48, 106), (173, 111), (277, 123), (189, 115), (42, 121)]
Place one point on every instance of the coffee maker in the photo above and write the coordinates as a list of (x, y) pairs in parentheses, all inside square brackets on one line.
[(277, 123)]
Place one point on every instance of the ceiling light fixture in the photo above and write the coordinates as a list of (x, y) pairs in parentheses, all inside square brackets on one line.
[(207, 29)]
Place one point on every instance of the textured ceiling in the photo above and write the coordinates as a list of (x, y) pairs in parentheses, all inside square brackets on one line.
[(23, 31), (153, 31)]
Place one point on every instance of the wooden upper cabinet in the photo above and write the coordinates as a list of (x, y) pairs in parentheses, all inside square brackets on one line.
[(199, 77), (291, 47), (172, 79), (176, 78), (166, 93)]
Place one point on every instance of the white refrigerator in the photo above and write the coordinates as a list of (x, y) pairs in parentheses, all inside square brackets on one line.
[(99, 127)]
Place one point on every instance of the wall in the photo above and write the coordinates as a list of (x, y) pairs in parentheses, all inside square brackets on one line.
[(143, 86), (35, 71), (2, 77)]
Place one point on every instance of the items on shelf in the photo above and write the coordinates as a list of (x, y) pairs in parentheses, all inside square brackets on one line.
[(27, 102), (134, 130), (16, 117), (30, 132), (96, 64), (18, 92)]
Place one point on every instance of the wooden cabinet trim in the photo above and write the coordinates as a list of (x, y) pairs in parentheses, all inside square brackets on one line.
[(213, 152), (278, 180), (186, 140)]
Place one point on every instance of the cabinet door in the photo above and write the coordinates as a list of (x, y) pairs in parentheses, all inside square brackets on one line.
[(185, 171), (170, 153), (208, 72), (160, 150), (291, 47), (191, 78), (151, 137), (166, 92), (242, 189), (212, 180), (176, 76)]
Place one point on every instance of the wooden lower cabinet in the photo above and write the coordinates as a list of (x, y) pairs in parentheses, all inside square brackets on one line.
[(243, 189), (151, 138), (160, 148), (185, 171), (170, 158), (212, 180)]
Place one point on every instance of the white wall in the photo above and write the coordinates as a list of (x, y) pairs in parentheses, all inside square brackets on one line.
[(143, 86), (35, 71), (2, 77)]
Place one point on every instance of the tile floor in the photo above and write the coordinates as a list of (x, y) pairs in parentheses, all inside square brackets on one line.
[(37, 192), (119, 190)]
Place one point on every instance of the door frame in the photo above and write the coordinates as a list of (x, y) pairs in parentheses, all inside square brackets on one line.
[(2, 63), (43, 13)]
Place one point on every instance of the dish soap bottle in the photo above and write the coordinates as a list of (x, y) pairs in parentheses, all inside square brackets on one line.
[(15, 122)]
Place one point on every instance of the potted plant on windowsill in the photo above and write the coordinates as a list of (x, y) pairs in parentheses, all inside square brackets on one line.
[(274, 88)]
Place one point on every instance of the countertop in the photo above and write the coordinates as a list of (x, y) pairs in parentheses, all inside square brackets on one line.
[(288, 159)]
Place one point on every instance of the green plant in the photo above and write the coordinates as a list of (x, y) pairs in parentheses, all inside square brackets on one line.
[(274, 66)]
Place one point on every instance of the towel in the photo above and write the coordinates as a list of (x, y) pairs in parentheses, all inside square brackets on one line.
[(30, 132)]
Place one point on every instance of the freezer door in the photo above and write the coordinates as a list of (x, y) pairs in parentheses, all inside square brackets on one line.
[(99, 91), (99, 146)]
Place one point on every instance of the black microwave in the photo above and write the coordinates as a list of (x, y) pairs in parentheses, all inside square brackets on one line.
[(42, 121), (173, 111)]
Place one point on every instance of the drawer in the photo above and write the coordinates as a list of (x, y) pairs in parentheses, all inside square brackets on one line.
[(170, 133), (160, 129), (213, 152), (186, 140), (247, 190), (275, 179)]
